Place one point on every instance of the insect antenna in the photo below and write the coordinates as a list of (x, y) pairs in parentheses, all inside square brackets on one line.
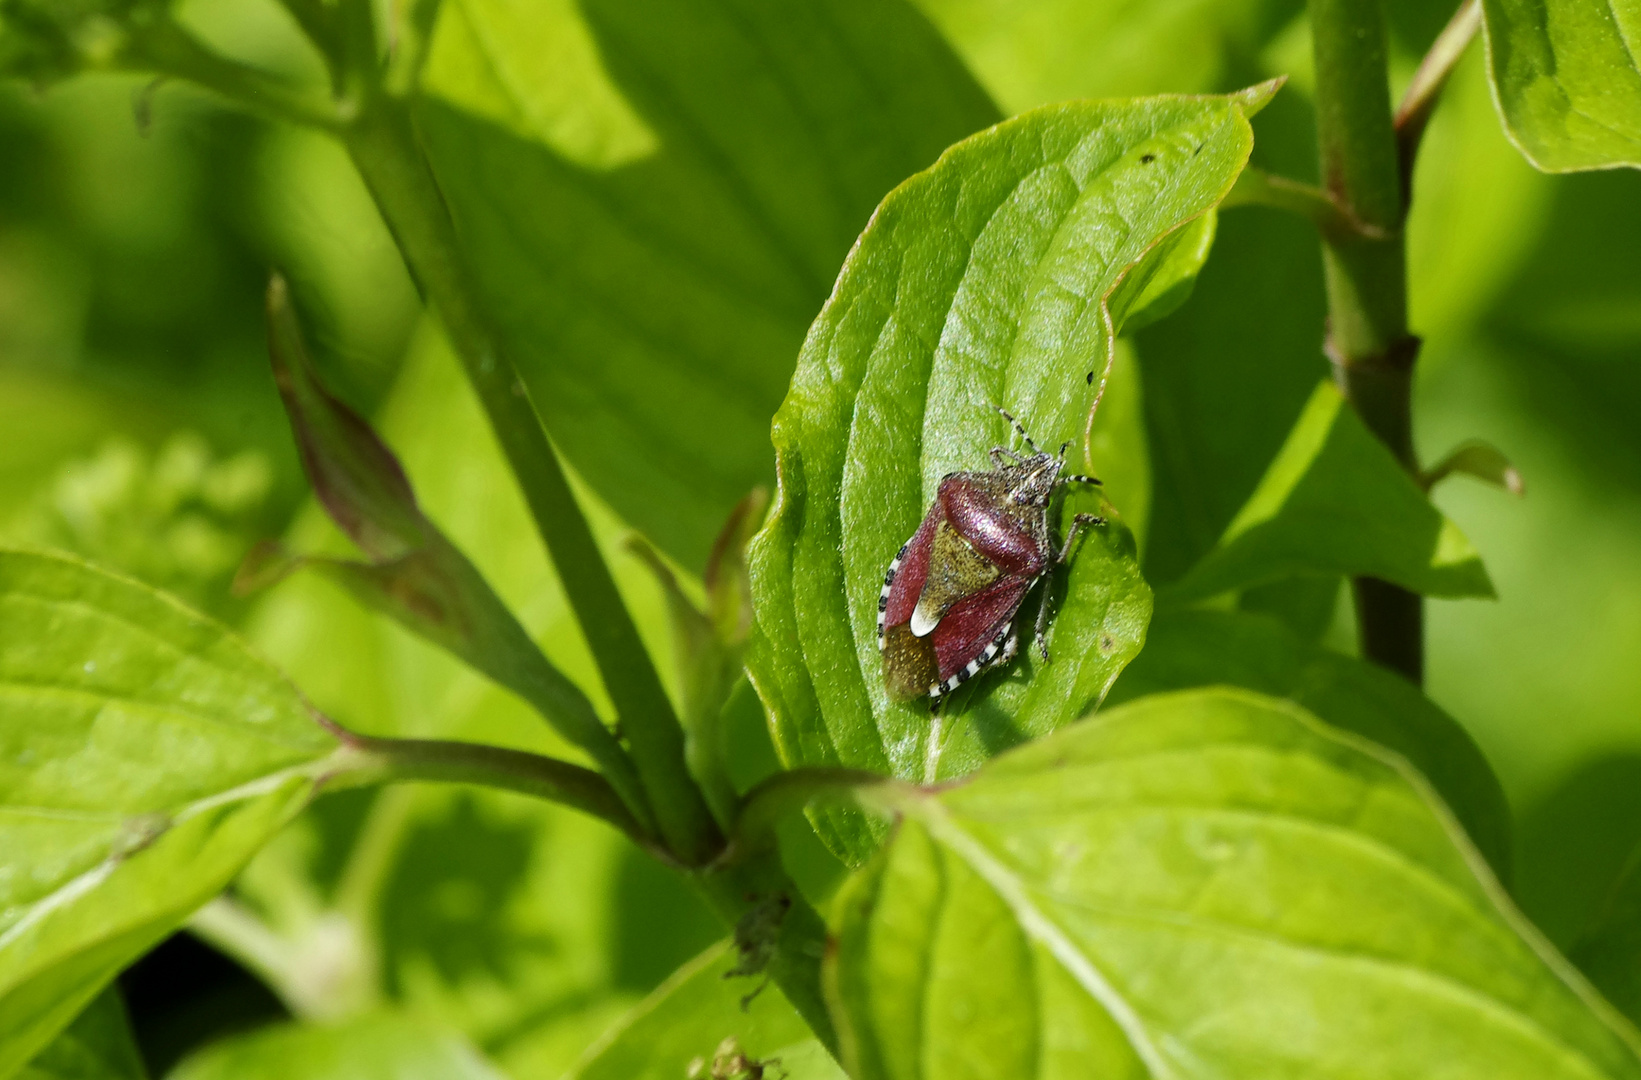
[(1018, 427), (1079, 478)]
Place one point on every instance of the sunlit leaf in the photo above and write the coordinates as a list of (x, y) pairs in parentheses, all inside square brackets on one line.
[(982, 282), (1050, 50), (657, 197), (1336, 502), (1202, 884), (1204, 648), (145, 755), (384, 1046), (691, 1015), (1567, 80)]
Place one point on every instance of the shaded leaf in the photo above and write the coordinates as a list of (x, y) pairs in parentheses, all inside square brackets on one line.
[(1574, 841), (982, 281), (1336, 502), (1207, 884), (710, 644), (383, 1046), (1610, 951), (145, 755), (692, 1013), (1306, 605), (656, 213), (96, 1046), (1225, 379), (1202, 648), (1567, 80)]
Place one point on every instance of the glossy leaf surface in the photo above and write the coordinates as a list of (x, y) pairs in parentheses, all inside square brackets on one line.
[(656, 212), (1334, 501), (145, 755), (1567, 78), (1200, 884), (384, 1046), (1186, 649), (691, 1015), (983, 281)]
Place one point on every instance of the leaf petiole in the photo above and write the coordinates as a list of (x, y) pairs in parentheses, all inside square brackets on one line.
[(364, 760)]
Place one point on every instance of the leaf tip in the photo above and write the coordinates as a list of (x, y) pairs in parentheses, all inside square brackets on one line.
[(1257, 96)]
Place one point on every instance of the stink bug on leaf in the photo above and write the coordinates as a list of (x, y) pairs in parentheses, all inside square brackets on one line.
[(949, 601)]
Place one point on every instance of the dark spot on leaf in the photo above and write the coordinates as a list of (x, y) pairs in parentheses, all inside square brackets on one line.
[(137, 832), (1091, 378), (1198, 150), (1146, 159), (1107, 643)]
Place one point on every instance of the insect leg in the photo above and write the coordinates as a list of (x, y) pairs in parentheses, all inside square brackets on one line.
[(998, 453), (1018, 427), (1078, 523), (1079, 478), (1042, 618)]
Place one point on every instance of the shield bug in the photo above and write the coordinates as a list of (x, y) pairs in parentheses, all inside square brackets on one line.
[(949, 601)]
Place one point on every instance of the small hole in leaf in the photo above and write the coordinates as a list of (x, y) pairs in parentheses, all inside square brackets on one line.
[(1146, 159)]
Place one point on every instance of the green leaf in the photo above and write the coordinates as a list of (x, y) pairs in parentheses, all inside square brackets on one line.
[(383, 1046), (1161, 283), (982, 281), (692, 1013), (1205, 884), (1226, 377), (415, 574), (1481, 460), (1336, 502), (1202, 648), (472, 890), (96, 1046), (1051, 50), (657, 196), (145, 755), (1610, 951), (1567, 80)]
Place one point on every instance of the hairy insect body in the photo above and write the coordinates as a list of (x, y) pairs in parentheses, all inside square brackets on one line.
[(950, 597)]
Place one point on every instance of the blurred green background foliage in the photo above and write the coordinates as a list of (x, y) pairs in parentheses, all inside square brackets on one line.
[(139, 426)]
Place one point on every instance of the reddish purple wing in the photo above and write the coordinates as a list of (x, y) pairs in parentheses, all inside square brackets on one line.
[(972, 510), (910, 570), (975, 622)]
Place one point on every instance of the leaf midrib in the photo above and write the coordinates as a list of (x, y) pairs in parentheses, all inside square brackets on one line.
[(1038, 924)]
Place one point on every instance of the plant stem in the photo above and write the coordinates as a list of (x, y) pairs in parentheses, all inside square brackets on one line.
[(785, 792), (1368, 340), (385, 148), (1413, 114), (365, 760), (167, 49), (795, 964), (1256, 187), (233, 930)]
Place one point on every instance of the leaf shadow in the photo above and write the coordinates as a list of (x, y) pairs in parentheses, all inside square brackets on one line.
[(656, 307)]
